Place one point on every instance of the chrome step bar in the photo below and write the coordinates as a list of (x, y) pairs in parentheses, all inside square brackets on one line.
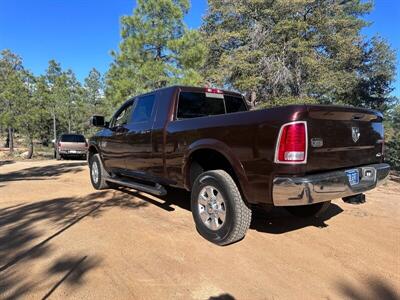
[(157, 190)]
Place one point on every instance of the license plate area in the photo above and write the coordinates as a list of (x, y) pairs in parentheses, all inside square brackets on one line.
[(353, 176)]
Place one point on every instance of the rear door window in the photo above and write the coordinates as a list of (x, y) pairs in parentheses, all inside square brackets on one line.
[(143, 109), (194, 105)]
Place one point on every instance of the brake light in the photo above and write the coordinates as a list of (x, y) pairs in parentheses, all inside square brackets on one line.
[(292, 143), (214, 91)]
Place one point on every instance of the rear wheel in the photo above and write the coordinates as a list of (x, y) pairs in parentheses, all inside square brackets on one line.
[(219, 212), (97, 173), (306, 211)]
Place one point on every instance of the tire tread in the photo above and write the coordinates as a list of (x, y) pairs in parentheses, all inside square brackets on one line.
[(242, 213)]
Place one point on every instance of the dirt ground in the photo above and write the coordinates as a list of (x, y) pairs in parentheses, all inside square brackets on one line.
[(60, 238)]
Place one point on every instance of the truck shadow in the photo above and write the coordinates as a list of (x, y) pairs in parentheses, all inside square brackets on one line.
[(279, 221), (175, 197)]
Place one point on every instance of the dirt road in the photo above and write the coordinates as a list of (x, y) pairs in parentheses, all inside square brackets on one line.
[(60, 238)]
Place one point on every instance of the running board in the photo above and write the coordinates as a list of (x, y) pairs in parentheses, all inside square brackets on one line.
[(157, 190)]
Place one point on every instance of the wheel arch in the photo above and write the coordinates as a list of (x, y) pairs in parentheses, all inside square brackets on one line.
[(222, 157), (91, 151)]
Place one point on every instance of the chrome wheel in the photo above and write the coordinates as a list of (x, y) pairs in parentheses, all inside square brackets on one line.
[(211, 207), (95, 172)]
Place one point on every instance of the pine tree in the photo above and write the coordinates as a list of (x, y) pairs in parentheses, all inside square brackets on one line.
[(11, 85), (156, 50), (55, 84), (73, 109), (28, 119), (301, 50), (392, 132), (94, 90)]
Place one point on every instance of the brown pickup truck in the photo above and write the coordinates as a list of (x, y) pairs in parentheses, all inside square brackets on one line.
[(231, 159)]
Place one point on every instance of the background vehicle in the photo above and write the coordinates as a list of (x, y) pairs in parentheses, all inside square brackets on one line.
[(70, 145), (231, 159)]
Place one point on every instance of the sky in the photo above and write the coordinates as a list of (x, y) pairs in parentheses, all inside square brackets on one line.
[(81, 33)]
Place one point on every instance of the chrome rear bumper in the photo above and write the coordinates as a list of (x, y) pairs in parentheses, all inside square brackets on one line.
[(289, 191)]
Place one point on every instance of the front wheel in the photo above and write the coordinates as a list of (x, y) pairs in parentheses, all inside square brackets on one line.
[(97, 173), (307, 211), (219, 212)]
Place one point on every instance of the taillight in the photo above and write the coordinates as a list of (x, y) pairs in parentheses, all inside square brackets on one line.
[(292, 143)]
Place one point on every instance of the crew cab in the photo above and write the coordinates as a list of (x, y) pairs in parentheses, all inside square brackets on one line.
[(207, 141)]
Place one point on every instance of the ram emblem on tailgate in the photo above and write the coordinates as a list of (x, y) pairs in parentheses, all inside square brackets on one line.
[(355, 134)]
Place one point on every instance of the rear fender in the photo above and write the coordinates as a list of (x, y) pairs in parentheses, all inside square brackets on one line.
[(224, 150)]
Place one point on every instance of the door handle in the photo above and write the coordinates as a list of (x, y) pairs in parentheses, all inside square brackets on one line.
[(145, 131)]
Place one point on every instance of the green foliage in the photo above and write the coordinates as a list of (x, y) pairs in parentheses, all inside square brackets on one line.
[(275, 52), (43, 107), (392, 147), (157, 50), (11, 86), (376, 75), (94, 91), (286, 101), (297, 49)]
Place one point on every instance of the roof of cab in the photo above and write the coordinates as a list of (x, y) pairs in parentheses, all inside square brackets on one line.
[(187, 88)]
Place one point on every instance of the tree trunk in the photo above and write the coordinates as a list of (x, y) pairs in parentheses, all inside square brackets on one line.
[(54, 127), (11, 139), (7, 144), (253, 99), (30, 150)]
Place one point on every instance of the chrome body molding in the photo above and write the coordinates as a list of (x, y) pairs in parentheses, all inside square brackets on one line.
[(291, 191)]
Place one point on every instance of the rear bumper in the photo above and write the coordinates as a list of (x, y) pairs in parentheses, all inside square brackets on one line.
[(290, 191), (72, 152)]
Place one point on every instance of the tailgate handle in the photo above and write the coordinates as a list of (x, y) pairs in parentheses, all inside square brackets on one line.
[(358, 116)]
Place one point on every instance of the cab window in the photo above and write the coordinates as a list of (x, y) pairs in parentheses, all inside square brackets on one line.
[(194, 105), (143, 109), (122, 117)]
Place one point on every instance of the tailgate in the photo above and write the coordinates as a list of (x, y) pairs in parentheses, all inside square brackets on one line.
[(68, 146), (342, 137)]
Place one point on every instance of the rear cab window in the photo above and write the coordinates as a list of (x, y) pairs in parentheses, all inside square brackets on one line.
[(72, 138), (204, 104)]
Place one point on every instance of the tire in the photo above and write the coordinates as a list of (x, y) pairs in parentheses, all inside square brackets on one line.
[(96, 167), (307, 211), (229, 216)]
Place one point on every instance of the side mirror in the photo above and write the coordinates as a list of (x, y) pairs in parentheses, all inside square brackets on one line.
[(97, 121)]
